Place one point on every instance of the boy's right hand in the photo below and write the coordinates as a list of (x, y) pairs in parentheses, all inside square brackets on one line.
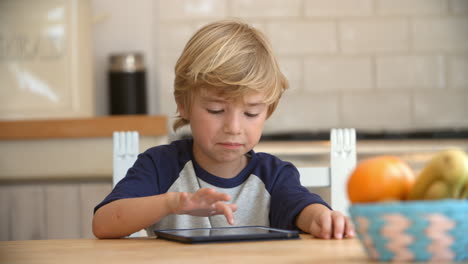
[(204, 202)]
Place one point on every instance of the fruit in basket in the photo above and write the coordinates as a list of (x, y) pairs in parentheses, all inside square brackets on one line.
[(444, 176), (437, 190), (380, 178), (464, 191)]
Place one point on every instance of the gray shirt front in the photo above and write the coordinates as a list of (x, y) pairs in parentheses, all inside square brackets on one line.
[(267, 191), (251, 198)]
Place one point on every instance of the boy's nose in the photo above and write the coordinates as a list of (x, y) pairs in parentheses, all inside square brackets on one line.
[(232, 124)]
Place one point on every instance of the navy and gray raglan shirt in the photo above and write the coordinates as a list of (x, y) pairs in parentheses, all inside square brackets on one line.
[(267, 191)]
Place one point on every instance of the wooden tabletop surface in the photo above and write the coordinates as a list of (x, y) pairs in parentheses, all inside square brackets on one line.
[(152, 250)]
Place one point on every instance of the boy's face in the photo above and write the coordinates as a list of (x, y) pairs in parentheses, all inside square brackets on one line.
[(224, 130)]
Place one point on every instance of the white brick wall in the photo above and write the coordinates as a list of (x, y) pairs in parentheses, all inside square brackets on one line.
[(192, 9), (173, 37), (374, 35), (377, 111), (266, 8), (411, 7), (458, 71), (305, 113), (440, 109), (459, 6), (328, 74), (371, 64), (293, 68), (338, 8), (449, 34), (413, 71), (302, 37)]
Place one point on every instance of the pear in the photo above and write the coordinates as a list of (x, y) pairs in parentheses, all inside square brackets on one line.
[(464, 191), (437, 190), (444, 176)]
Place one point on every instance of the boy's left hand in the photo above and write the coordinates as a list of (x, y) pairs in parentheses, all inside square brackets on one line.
[(322, 222), (331, 224)]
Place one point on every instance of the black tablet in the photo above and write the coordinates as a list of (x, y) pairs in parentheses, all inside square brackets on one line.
[(226, 234)]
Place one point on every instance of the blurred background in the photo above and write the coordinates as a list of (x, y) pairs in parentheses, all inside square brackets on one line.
[(396, 70), (376, 65)]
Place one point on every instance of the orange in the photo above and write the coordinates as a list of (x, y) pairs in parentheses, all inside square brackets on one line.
[(380, 178)]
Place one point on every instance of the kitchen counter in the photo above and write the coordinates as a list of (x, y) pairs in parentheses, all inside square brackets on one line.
[(70, 149), (146, 125), (82, 148), (363, 146), (317, 153)]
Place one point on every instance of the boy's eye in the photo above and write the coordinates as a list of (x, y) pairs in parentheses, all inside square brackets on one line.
[(214, 111), (250, 114)]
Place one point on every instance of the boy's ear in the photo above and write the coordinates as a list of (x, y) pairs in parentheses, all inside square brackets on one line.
[(182, 111)]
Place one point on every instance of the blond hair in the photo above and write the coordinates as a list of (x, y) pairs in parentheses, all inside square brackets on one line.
[(231, 57)]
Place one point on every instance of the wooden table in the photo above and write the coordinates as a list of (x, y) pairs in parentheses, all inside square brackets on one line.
[(151, 250)]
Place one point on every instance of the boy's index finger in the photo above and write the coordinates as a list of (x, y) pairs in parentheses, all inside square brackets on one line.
[(227, 212)]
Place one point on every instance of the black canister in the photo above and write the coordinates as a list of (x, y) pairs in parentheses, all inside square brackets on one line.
[(127, 84)]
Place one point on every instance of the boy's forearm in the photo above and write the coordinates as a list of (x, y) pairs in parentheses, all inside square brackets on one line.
[(126, 216)]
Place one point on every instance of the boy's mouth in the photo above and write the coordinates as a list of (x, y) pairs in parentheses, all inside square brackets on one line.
[(230, 145)]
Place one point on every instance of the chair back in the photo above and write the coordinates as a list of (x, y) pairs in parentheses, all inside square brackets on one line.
[(342, 162), (126, 150)]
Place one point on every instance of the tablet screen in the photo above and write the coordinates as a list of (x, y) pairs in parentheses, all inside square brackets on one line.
[(226, 234)]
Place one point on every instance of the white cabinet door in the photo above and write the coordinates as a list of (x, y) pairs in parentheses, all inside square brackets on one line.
[(45, 59)]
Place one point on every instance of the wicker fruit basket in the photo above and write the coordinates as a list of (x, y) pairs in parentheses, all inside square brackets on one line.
[(413, 231)]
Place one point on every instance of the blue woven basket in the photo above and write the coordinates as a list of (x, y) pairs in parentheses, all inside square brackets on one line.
[(413, 231)]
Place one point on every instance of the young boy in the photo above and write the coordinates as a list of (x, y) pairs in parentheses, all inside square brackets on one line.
[(227, 84)]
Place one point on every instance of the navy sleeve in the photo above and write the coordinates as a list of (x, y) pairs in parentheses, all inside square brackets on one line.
[(153, 173), (140, 181), (289, 198)]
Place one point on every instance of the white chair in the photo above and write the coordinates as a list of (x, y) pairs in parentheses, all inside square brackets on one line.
[(342, 162), (126, 150)]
